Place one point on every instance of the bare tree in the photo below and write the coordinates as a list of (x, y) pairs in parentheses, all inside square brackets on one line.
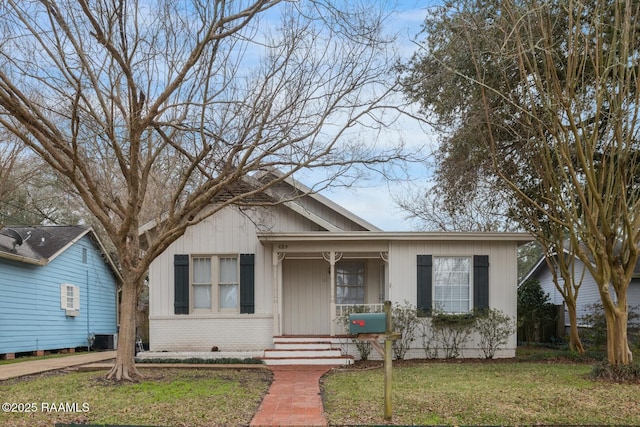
[(9, 156), (439, 209), (550, 94), (195, 98)]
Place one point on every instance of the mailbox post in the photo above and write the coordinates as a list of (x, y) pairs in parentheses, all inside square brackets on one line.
[(388, 372), (370, 327)]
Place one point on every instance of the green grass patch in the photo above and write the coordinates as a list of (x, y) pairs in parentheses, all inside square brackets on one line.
[(165, 397), (503, 393)]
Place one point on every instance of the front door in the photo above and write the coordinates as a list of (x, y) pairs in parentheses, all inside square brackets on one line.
[(305, 297)]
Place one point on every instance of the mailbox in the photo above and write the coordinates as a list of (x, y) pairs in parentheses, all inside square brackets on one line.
[(367, 323)]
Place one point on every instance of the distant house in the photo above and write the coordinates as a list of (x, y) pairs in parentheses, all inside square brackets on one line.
[(58, 289), (266, 279), (588, 293)]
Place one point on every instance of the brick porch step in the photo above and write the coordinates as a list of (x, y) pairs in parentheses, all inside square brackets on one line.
[(304, 351)]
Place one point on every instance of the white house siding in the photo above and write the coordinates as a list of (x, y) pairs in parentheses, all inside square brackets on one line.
[(229, 231), (503, 279), (307, 294), (305, 297)]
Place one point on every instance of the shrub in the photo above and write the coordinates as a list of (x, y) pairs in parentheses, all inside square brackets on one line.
[(616, 373), (404, 320), (595, 334), (429, 339), (363, 347), (453, 331), (534, 311), (494, 328)]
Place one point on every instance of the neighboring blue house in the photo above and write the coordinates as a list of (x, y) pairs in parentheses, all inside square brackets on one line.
[(58, 288)]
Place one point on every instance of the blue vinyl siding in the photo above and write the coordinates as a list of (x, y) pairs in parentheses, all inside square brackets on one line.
[(30, 314)]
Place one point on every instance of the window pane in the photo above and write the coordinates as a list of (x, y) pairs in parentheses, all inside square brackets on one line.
[(452, 279), (70, 297), (350, 286), (229, 296), (202, 270), (229, 270), (202, 296)]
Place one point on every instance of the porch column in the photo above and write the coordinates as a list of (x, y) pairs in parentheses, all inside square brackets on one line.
[(332, 257), (276, 279)]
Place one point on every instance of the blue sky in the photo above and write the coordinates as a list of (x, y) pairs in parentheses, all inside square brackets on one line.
[(373, 200)]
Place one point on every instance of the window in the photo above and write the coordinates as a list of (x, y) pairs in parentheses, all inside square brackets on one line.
[(228, 283), (70, 299), (350, 287), (202, 283), (451, 284), (224, 270)]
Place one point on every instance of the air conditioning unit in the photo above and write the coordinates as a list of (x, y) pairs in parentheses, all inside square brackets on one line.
[(104, 342)]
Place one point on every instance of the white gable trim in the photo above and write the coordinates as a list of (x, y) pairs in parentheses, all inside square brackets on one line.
[(311, 216), (329, 203)]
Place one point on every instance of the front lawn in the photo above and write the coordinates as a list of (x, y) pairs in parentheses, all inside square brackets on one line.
[(499, 393), (167, 397)]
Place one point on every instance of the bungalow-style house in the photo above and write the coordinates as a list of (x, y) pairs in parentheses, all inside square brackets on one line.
[(264, 279), (588, 293), (58, 290)]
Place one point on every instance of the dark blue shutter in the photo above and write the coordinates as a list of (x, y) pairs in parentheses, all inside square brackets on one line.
[(247, 283), (425, 280), (481, 282), (181, 284)]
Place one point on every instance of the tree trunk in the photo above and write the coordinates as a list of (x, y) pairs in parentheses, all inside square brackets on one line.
[(575, 344), (125, 368), (618, 352)]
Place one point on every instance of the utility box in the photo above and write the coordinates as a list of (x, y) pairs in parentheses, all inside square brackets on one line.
[(367, 323)]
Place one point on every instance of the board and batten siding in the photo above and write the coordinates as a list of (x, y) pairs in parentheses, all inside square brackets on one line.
[(503, 275), (503, 279), (228, 232), (30, 314)]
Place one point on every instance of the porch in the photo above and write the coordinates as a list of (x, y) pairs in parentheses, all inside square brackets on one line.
[(313, 291)]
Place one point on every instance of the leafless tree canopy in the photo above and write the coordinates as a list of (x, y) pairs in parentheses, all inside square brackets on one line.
[(157, 107)]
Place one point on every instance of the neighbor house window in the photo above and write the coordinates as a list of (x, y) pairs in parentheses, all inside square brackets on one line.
[(452, 284), (350, 287), (215, 283)]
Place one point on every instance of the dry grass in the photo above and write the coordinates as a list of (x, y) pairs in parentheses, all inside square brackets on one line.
[(505, 393), (168, 397)]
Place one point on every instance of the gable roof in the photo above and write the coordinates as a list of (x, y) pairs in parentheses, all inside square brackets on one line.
[(295, 196), (41, 244), (298, 205), (541, 264)]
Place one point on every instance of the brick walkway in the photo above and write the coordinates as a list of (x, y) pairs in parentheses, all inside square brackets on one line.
[(293, 398)]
